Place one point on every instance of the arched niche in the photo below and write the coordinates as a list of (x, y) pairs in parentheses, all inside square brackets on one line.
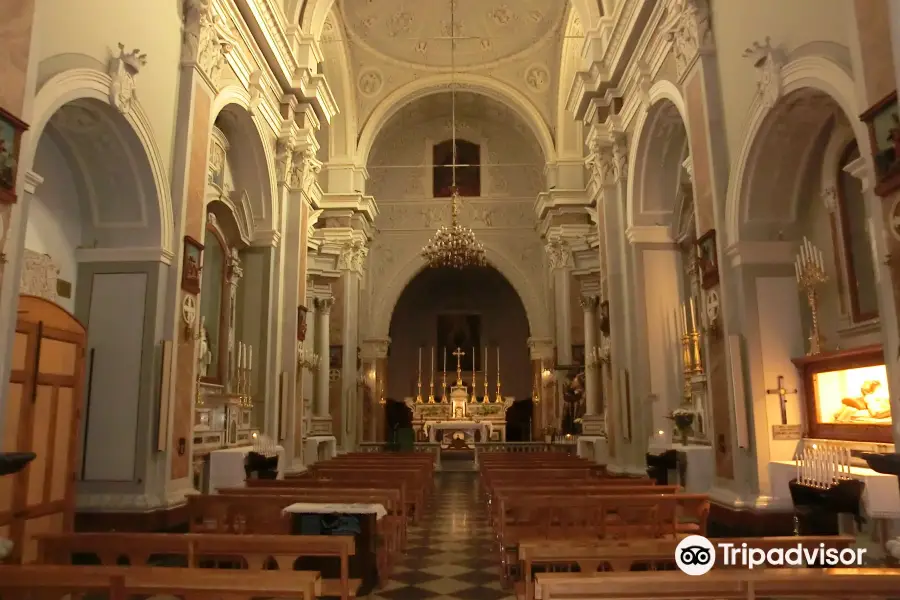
[(470, 308)]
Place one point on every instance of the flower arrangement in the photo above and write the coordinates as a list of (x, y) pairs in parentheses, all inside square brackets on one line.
[(684, 421)]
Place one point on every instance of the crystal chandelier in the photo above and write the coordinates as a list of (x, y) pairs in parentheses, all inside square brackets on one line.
[(454, 246)]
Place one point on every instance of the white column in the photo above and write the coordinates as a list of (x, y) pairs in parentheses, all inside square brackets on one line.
[(350, 264), (591, 404), (323, 312), (561, 261)]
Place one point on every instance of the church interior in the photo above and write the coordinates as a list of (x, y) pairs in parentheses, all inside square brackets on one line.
[(469, 299)]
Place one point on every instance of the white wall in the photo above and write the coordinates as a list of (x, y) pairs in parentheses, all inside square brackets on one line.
[(737, 25), (54, 215), (94, 28)]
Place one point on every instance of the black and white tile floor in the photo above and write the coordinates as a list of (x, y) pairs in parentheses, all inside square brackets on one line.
[(449, 554)]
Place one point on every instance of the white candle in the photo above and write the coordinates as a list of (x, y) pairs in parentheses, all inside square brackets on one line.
[(683, 318), (485, 362), (498, 359), (420, 363), (797, 268), (240, 355), (445, 360), (249, 356), (821, 260), (693, 322), (432, 361)]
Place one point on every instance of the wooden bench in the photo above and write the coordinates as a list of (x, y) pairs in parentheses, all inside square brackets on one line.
[(737, 584), (254, 552), (413, 500), (124, 583), (625, 555)]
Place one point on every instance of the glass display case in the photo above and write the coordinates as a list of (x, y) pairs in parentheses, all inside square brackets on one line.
[(846, 395)]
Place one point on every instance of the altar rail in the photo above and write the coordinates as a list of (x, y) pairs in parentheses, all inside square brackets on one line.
[(567, 447)]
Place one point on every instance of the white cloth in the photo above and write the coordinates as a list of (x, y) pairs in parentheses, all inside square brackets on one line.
[(485, 426), (352, 508), (226, 467), (881, 497)]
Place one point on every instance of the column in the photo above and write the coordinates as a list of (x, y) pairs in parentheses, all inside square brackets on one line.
[(321, 416), (591, 400), (561, 262), (373, 352), (350, 263), (543, 415)]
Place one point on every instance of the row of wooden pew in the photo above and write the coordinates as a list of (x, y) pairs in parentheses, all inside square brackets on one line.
[(564, 528), (243, 544)]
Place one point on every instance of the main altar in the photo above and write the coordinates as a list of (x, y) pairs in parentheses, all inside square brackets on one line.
[(457, 417)]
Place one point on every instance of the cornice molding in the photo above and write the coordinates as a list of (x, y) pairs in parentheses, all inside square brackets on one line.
[(557, 198), (761, 253), (649, 234), (96, 255)]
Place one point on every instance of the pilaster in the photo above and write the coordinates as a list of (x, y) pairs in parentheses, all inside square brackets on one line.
[(542, 359), (321, 415), (350, 264), (373, 352)]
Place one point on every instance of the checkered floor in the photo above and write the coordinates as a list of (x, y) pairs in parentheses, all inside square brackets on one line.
[(449, 554)]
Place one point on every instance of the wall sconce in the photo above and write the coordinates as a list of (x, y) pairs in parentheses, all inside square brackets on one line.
[(548, 377), (307, 360)]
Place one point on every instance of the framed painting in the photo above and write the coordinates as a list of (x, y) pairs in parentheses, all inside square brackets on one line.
[(335, 357), (302, 311), (708, 259), (190, 269), (883, 122), (11, 130)]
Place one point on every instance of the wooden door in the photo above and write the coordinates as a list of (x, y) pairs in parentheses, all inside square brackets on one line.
[(43, 410)]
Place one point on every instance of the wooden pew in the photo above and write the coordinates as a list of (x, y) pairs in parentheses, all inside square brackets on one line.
[(254, 551), (395, 525), (123, 583), (262, 515), (738, 584), (567, 517), (624, 555)]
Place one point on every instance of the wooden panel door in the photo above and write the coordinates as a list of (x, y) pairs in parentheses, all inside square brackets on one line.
[(42, 416)]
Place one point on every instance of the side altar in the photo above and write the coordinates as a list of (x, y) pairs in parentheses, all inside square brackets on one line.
[(459, 418)]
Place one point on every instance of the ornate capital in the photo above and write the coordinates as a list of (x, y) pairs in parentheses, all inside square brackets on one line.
[(284, 159), (353, 255), (830, 198), (204, 44), (234, 269), (541, 348), (768, 62), (306, 169), (323, 305), (374, 348), (688, 165), (122, 70), (589, 302), (688, 28), (608, 164), (559, 253)]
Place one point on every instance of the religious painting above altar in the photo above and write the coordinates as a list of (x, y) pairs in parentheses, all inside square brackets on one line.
[(461, 330)]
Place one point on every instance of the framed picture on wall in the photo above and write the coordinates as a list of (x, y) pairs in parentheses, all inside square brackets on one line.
[(578, 354), (883, 121), (707, 259), (335, 357), (11, 130), (190, 270), (302, 311)]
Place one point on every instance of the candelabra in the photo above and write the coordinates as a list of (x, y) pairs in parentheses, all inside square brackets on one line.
[(307, 360), (810, 269), (822, 466), (593, 357)]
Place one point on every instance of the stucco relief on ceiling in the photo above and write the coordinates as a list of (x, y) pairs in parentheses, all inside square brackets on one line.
[(417, 33)]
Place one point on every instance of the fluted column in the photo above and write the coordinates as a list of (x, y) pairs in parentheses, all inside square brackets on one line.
[(591, 405), (323, 313)]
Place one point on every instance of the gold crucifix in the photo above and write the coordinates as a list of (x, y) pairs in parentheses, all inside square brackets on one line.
[(458, 354)]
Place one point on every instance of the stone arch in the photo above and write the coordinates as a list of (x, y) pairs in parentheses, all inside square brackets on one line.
[(438, 84), (385, 301), (311, 14), (569, 133), (343, 127), (254, 156), (648, 154), (89, 90), (768, 127)]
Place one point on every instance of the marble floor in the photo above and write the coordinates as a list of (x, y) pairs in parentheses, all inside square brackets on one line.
[(449, 554)]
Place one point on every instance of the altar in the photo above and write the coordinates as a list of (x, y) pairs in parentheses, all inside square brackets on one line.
[(444, 432)]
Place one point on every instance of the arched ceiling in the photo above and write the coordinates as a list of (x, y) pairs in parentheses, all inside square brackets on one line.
[(417, 33)]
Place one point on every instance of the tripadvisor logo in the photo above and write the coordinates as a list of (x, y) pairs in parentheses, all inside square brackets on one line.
[(696, 555)]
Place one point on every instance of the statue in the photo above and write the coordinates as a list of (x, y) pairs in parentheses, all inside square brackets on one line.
[(205, 352)]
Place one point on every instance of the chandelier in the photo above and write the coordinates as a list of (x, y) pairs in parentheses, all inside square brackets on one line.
[(454, 246)]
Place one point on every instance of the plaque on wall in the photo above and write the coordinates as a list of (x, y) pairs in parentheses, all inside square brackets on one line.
[(787, 432)]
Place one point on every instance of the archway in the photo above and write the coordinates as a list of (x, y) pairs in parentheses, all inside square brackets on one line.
[(96, 234), (488, 312)]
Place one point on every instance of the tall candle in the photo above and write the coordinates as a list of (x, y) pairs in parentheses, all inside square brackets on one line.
[(693, 322), (797, 268), (432, 362), (240, 355), (683, 318), (485, 359), (498, 361), (249, 356), (420, 363), (473, 365), (445, 359)]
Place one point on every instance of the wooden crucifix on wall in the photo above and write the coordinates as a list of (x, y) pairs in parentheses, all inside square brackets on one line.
[(782, 394)]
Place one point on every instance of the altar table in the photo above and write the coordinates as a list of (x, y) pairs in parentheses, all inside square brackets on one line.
[(881, 496), (484, 427), (226, 467)]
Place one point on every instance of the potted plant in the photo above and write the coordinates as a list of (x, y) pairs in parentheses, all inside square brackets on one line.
[(684, 421), (549, 434)]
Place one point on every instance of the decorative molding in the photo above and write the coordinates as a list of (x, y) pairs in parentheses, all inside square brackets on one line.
[(560, 254), (589, 302), (32, 181), (323, 305), (205, 42), (768, 62), (689, 30), (353, 255), (374, 348), (96, 255), (122, 71), (601, 163), (649, 234), (761, 253), (830, 199), (541, 348), (688, 165)]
